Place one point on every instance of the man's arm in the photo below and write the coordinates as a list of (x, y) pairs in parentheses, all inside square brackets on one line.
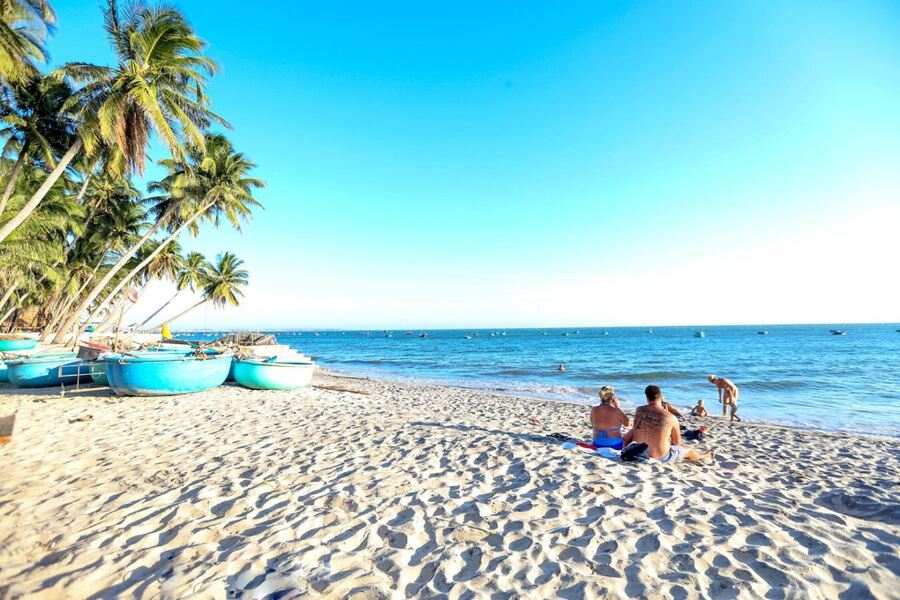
[(625, 421), (676, 433)]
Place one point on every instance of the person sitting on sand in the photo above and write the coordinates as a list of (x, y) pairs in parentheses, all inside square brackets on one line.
[(656, 434), (728, 395), (607, 420), (699, 410)]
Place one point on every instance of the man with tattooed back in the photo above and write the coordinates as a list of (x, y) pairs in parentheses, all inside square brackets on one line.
[(656, 434)]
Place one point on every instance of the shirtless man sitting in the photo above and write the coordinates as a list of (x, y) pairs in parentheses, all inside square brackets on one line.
[(728, 395), (659, 430)]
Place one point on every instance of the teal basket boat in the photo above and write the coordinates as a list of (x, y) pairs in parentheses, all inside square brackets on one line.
[(259, 374), (16, 344), (164, 373), (45, 370)]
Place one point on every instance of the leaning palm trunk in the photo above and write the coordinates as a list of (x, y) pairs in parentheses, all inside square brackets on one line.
[(158, 310), (118, 311), (7, 314), (73, 317), (150, 257), (11, 184), (35, 199), (7, 296), (114, 313), (181, 314)]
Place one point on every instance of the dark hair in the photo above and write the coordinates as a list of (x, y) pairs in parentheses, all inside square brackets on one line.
[(653, 393)]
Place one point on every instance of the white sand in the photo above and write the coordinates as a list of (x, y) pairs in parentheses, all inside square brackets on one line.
[(411, 490)]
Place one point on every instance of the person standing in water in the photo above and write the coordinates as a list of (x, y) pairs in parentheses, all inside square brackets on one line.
[(608, 420), (728, 395)]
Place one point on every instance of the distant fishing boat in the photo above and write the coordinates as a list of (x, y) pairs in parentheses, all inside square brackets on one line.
[(649, 331), (838, 332), (46, 370), (468, 337), (262, 374), (13, 344), (423, 335), (699, 334), (165, 373), (763, 332)]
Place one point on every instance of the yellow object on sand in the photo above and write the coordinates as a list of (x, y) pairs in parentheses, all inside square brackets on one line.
[(165, 331)]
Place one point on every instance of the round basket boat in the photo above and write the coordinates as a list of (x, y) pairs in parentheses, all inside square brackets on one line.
[(259, 374), (164, 373), (15, 344), (45, 370)]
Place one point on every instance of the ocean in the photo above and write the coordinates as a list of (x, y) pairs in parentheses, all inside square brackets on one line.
[(796, 375)]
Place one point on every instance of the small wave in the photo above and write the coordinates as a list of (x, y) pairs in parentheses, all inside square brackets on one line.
[(772, 385), (649, 376)]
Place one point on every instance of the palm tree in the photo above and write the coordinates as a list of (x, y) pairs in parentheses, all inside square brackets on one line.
[(118, 223), (156, 86), (211, 185), (164, 265), (34, 122), (191, 276), (24, 25), (222, 285)]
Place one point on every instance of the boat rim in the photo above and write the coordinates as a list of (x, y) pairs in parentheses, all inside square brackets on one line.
[(277, 363)]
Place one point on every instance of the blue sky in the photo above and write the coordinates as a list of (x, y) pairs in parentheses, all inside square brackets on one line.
[(515, 164)]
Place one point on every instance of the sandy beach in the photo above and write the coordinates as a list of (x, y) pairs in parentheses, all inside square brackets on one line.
[(372, 489)]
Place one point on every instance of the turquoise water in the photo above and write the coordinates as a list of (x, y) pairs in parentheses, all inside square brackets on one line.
[(799, 375)]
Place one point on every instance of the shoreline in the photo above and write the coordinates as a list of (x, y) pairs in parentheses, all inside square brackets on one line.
[(412, 380), (368, 488)]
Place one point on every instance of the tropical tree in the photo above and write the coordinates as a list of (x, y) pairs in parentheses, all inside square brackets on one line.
[(156, 86), (191, 276), (164, 265), (117, 223), (35, 124), (212, 184), (24, 26), (222, 285)]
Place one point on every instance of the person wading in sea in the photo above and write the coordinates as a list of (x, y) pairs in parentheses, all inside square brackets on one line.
[(728, 395)]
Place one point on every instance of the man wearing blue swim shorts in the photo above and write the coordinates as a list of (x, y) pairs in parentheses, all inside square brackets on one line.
[(658, 431)]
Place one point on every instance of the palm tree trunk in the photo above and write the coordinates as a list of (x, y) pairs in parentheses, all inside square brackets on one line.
[(8, 295), (152, 255), (6, 315), (70, 322), (113, 312), (120, 307), (35, 199), (181, 314), (11, 185), (158, 310)]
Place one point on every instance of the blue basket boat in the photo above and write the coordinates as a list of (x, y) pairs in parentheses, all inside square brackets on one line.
[(45, 370), (15, 344), (164, 373), (4, 372), (259, 374)]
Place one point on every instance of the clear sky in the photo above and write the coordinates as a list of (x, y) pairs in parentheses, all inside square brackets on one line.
[(537, 164)]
